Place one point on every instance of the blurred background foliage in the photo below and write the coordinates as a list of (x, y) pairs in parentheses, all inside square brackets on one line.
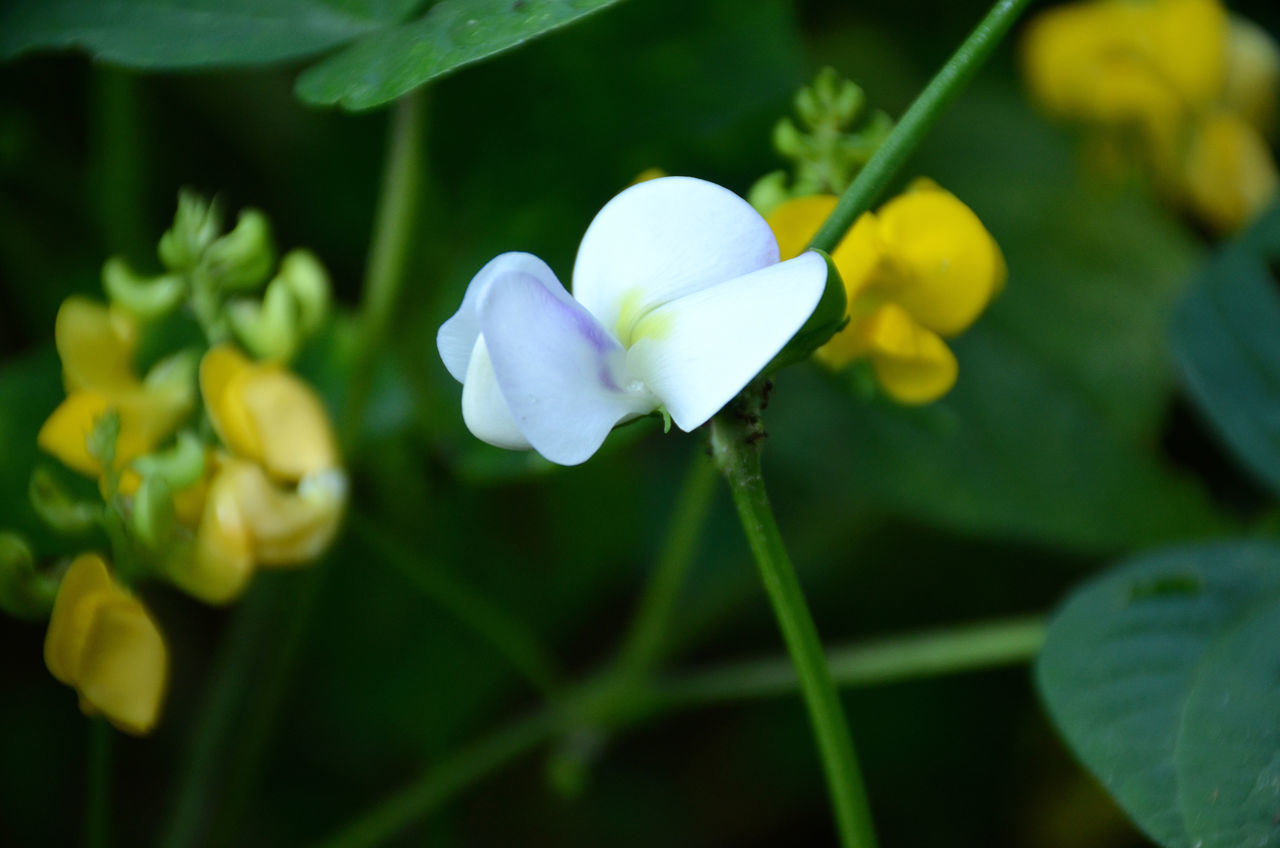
[(1066, 443)]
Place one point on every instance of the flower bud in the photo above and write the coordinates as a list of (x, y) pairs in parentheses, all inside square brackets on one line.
[(268, 329), (143, 298), (195, 225), (242, 259), (308, 281), (153, 519), (57, 508), (24, 592), (181, 465)]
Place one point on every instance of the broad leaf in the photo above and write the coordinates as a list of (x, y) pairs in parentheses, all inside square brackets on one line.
[(191, 33), (392, 61), (1160, 674), (1227, 339)]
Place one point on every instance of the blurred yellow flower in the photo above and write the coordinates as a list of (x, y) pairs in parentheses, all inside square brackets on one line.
[(276, 497), (96, 345), (921, 269), (1191, 85), (104, 643)]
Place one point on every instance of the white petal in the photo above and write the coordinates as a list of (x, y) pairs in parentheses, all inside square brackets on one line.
[(560, 372), (483, 408), (696, 353), (457, 337), (662, 239)]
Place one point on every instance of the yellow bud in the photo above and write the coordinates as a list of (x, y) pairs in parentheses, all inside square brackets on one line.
[(96, 346), (265, 413), (103, 642), (1253, 74), (1229, 173)]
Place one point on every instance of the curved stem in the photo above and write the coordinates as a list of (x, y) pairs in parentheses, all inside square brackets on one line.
[(441, 782), (97, 808), (643, 645), (919, 655), (389, 251), (735, 441), (508, 636), (917, 121)]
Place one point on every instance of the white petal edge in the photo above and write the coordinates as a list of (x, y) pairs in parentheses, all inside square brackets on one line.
[(456, 337), (484, 410), (662, 239), (560, 372), (705, 347)]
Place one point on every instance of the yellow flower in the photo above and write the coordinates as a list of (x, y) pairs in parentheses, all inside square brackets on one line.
[(96, 345), (921, 269), (1229, 174), (1253, 75), (103, 642), (276, 498)]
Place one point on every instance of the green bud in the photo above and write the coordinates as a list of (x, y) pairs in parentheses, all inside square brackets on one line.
[(242, 259), (175, 376), (24, 592), (769, 192), (828, 318), (147, 299), (788, 140), (195, 225), (102, 439), (268, 329), (59, 509), (180, 466), (847, 103), (153, 517), (304, 276), (809, 108), (826, 86)]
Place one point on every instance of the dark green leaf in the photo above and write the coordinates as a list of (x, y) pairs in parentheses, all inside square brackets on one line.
[(1162, 677), (393, 61), (191, 33), (1226, 335)]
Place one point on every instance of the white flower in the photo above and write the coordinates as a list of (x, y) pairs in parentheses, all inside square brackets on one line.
[(679, 300)]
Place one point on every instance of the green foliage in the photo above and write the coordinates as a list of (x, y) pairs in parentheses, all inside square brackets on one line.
[(383, 58), (1227, 338), (1161, 676)]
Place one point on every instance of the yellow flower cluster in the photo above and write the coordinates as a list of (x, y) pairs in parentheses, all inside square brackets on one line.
[(919, 270), (271, 495), (1194, 87)]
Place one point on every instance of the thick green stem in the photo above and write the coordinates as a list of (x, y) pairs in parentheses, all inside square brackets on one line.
[(736, 435), (508, 636), (97, 808), (645, 641), (389, 251), (917, 121)]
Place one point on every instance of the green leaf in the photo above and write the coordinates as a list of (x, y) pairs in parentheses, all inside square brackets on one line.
[(191, 33), (396, 60), (1161, 675), (1226, 335)]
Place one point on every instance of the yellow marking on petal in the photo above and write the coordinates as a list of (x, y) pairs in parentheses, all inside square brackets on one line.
[(912, 364), (96, 346), (1230, 175)]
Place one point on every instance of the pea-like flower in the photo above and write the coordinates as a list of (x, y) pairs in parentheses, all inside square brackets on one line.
[(679, 300), (96, 345), (277, 494), (104, 643), (919, 270)]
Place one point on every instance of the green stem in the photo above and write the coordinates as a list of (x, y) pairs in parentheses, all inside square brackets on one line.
[(97, 812), (919, 655), (735, 440), (917, 121), (508, 636), (117, 121), (197, 785), (389, 250), (446, 779), (644, 643)]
